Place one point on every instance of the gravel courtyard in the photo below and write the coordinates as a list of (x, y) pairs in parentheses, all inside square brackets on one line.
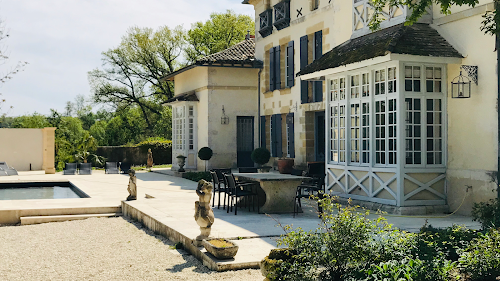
[(99, 249)]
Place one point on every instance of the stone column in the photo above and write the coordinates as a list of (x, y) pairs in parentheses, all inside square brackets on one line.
[(48, 148)]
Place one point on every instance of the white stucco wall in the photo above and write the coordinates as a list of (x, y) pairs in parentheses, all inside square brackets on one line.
[(472, 123), (233, 87), (22, 148)]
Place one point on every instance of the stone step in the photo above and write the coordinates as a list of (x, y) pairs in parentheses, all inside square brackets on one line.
[(60, 218)]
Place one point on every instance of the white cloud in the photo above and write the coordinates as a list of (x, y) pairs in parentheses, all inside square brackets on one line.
[(63, 39)]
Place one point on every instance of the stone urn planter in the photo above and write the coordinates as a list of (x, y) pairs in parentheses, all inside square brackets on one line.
[(220, 248), (181, 161), (285, 165)]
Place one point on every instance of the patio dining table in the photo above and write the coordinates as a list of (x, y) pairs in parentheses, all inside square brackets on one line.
[(277, 190)]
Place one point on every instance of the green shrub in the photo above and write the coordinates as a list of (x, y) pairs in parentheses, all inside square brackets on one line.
[(432, 243), (346, 245), (197, 176), (409, 269), (205, 153), (487, 213), (261, 155), (481, 259)]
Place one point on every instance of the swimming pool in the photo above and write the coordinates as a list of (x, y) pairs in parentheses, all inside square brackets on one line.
[(40, 190)]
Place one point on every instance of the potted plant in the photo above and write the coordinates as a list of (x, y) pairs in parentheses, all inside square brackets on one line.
[(261, 156), (205, 153), (181, 161), (220, 248), (285, 165)]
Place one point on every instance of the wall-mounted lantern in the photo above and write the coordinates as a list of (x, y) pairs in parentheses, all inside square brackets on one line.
[(224, 120), (461, 85)]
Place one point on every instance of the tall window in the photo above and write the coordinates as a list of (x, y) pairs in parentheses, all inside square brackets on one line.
[(364, 109), (179, 128), (353, 103), (191, 127), (338, 117), (424, 115)]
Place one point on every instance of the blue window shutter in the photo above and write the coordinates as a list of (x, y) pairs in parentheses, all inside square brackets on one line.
[(290, 75), (263, 131), (318, 44), (318, 52), (291, 136), (303, 62), (279, 139), (277, 74), (273, 136), (272, 73), (318, 91)]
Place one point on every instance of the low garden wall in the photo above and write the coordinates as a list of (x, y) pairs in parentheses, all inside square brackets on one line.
[(136, 155)]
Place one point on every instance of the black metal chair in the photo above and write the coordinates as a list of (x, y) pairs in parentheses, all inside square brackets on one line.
[(219, 186), (111, 168), (248, 170), (125, 166), (314, 185), (237, 190), (69, 169), (85, 169)]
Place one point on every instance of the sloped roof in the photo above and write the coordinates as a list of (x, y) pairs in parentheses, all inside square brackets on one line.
[(242, 53), (189, 96), (418, 39)]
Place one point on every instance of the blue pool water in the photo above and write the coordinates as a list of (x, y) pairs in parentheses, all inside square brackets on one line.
[(39, 190)]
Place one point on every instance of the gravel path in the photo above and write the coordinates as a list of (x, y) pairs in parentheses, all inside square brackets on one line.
[(99, 249)]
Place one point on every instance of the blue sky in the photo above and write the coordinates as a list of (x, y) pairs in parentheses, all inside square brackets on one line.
[(63, 39)]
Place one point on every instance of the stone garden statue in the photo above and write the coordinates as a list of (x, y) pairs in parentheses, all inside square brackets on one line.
[(203, 215), (132, 186), (150, 159)]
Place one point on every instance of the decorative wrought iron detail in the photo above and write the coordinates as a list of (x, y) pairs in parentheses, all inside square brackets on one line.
[(282, 14), (471, 71), (266, 22), (299, 12), (363, 12)]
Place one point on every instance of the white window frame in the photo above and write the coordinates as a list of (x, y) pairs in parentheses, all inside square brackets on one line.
[(424, 95)]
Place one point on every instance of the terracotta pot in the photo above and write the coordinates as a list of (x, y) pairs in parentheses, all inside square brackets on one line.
[(285, 166), (221, 252)]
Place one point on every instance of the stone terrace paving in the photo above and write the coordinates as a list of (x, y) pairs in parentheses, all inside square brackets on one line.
[(171, 212)]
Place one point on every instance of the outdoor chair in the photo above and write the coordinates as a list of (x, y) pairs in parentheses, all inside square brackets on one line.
[(219, 186), (69, 169), (314, 185), (85, 169), (124, 167), (9, 170), (237, 190), (248, 170), (111, 168), (3, 172)]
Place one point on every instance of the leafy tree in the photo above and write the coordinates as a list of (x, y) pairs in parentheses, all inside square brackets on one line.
[(35, 120), (133, 72), (85, 149), (220, 32), (490, 24), (7, 75)]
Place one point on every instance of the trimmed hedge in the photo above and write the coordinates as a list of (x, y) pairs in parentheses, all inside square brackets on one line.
[(138, 154)]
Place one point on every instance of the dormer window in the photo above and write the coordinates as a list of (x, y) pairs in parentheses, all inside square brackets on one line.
[(282, 14), (266, 22)]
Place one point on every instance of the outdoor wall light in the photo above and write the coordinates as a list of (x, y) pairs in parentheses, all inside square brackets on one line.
[(224, 119), (461, 85)]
